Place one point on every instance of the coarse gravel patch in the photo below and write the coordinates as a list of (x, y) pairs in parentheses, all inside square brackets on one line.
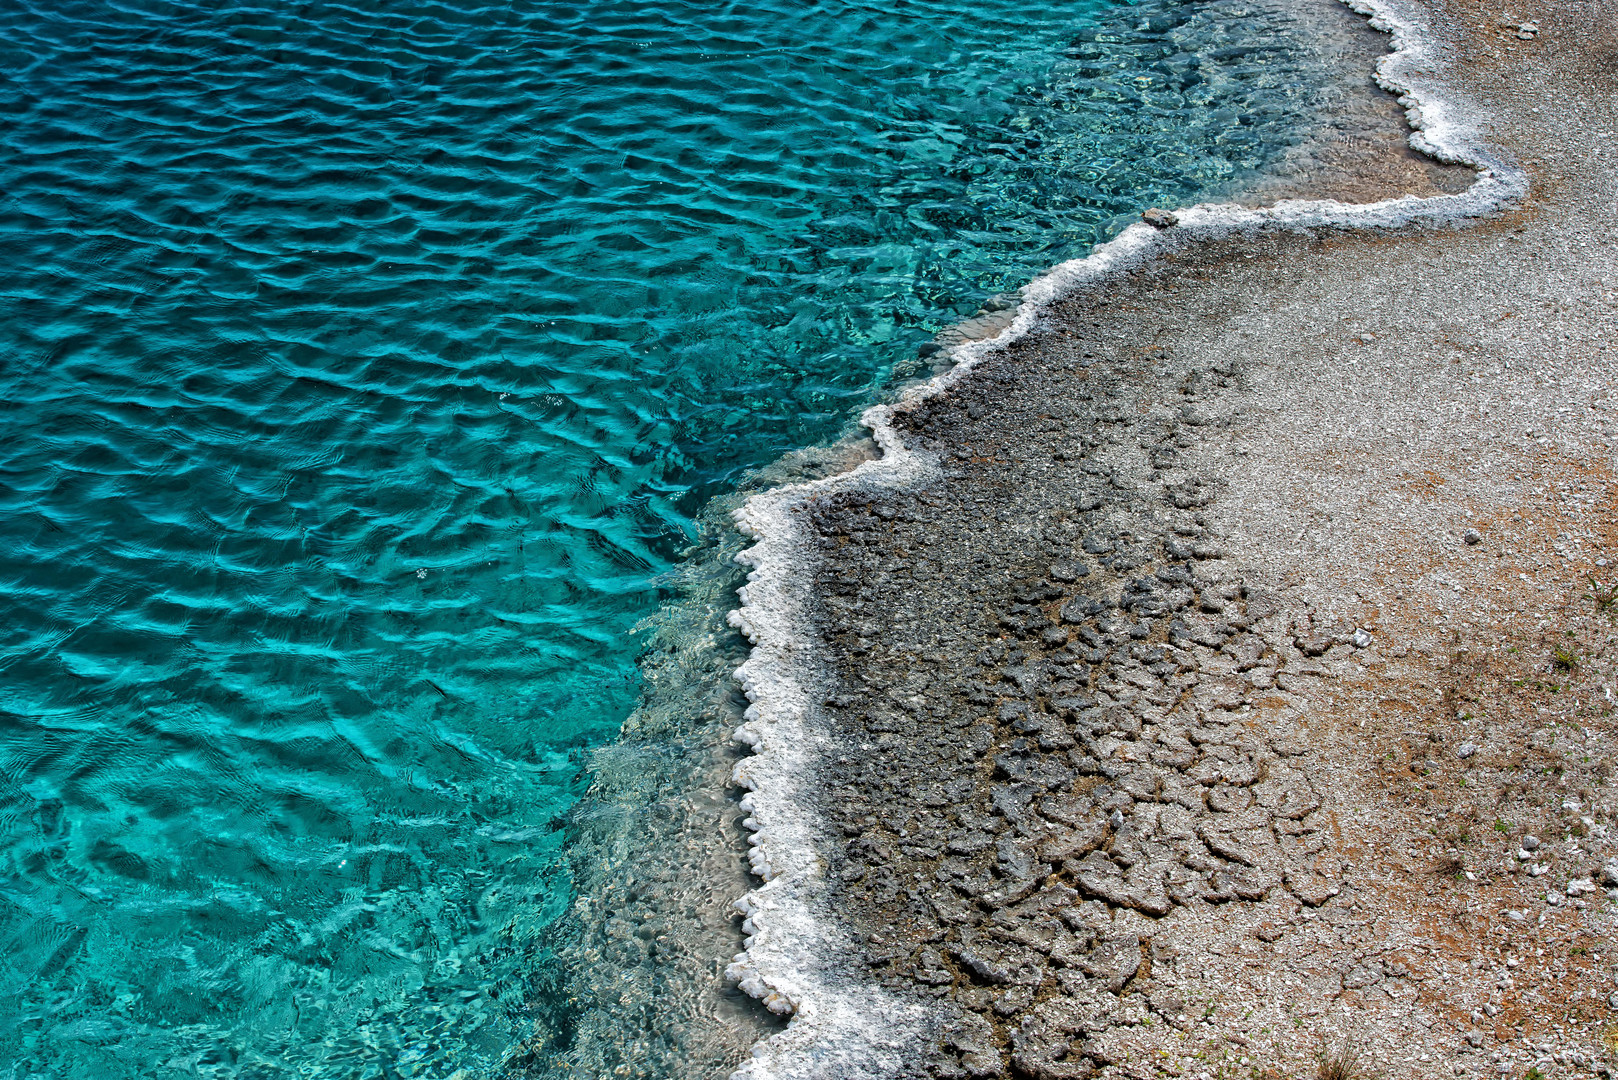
[(1239, 683)]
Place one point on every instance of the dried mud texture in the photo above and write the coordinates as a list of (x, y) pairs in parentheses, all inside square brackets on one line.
[(1244, 691)]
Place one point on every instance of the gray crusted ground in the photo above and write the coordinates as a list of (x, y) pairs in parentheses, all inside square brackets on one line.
[(1246, 685)]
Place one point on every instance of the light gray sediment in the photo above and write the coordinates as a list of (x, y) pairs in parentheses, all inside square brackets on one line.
[(1067, 698)]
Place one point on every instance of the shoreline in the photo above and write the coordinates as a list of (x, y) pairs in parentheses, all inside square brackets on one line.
[(640, 983), (842, 1025)]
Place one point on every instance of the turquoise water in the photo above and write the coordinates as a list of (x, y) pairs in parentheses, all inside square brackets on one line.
[(364, 366)]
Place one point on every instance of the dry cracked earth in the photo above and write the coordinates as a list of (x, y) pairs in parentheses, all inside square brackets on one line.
[(1241, 698)]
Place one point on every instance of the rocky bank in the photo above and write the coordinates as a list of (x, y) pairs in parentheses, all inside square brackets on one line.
[(1234, 690)]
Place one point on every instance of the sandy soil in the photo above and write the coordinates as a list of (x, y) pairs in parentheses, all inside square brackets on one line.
[(1240, 694)]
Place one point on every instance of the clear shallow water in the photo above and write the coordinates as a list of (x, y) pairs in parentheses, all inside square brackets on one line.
[(362, 368)]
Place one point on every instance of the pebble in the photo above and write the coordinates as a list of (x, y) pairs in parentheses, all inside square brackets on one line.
[(1313, 645), (1159, 219), (1530, 843), (1465, 750), (1554, 899), (1361, 639), (1472, 536)]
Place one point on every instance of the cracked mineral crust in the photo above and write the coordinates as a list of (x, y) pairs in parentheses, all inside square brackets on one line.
[(1200, 713)]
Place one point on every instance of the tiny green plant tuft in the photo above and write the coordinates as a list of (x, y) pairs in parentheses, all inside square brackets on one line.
[(1342, 1063)]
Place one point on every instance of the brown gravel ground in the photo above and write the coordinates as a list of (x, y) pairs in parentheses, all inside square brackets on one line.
[(1325, 770)]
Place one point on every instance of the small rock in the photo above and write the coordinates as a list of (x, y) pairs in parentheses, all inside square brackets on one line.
[(1361, 638), (1513, 916), (983, 968), (1068, 571), (1530, 843), (1472, 536), (1474, 1038), (1612, 1002), (1160, 219), (1465, 750), (1314, 644), (1609, 874), (1554, 899)]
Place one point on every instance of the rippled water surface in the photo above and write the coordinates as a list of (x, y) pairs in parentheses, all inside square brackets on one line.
[(362, 368)]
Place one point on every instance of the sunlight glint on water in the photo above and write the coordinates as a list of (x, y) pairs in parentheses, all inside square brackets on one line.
[(363, 367)]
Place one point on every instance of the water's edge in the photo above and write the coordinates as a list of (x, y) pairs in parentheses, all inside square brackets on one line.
[(839, 1026), (631, 980), (656, 849)]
